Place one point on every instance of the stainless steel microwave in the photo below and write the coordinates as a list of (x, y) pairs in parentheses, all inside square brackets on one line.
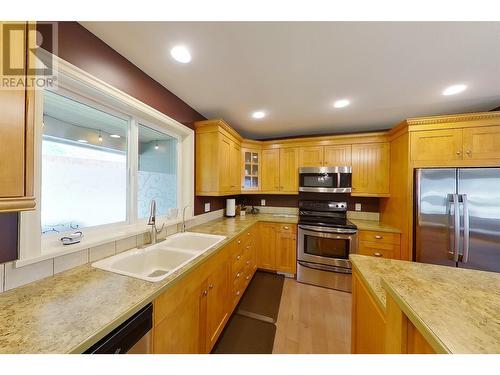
[(325, 179)]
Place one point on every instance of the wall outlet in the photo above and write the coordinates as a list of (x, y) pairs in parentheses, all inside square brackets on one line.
[(207, 207), (262, 202), (357, 207)]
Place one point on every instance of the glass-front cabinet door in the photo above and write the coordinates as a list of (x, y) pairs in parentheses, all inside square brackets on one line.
[(251, 170)]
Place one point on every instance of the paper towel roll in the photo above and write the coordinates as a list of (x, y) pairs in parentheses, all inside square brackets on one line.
[(231, 207)]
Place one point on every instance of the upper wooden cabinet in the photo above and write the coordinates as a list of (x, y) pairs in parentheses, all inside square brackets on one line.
[(17, 126), (370, 169), (318, 156), (251, 170), (218, 159), (280, 171), (289, 170), (434, 145), (311, 156), (481, 143)]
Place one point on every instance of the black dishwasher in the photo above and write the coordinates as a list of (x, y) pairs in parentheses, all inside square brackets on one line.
[(132, 337)]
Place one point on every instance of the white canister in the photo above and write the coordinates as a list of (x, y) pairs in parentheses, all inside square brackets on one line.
[(231, 207)]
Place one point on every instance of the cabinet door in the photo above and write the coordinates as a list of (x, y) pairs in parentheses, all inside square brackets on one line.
[(12, 121), (286, 252), (225, 181), (179, 320), (270, 170), (370, 169), (338, 155), (250, 179), (482, 143), (368, 321), (289, 170), (311, 156), (234, 170), (436, 145), (217, 309), (266, 251)]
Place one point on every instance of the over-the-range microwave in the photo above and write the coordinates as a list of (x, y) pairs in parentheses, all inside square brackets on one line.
[(325, 179)]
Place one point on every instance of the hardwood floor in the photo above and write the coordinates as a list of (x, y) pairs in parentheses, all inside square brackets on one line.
[(313, 320)]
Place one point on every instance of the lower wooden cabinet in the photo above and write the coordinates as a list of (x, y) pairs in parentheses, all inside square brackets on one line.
[(278, 247), (380, 244), (368, 321)]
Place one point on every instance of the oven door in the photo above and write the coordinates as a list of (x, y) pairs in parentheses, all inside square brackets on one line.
[(324, 245)]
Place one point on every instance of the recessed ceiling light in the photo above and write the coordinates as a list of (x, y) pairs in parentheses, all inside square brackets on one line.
[(83, 141), (259, 114), (114, 136), (180, 54), (455, 89), (341, 103)]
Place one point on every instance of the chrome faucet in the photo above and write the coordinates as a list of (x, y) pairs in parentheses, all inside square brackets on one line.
[(152, 222), (184, 218)]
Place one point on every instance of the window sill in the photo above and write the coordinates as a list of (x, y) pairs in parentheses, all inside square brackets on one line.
[(52, 247)]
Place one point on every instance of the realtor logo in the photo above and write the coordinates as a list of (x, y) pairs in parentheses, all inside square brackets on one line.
[(27, 55)]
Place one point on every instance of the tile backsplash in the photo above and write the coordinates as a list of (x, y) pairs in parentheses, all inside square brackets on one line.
[(12, 277)]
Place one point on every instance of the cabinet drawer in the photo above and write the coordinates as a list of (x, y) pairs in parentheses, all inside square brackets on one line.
[(379, 249), (383, 237), (289, 228)]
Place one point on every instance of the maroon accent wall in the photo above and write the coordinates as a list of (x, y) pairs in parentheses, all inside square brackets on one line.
[(367, 204)]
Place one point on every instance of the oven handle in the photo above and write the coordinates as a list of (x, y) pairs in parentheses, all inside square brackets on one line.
[(327, 229), (324, 267)]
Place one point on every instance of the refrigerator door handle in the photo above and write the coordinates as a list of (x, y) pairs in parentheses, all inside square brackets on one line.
[(456, 212), (465, 255)]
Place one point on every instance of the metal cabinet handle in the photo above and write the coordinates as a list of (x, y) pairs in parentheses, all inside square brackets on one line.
[(468, 152), (377, 254), (238, 293), (248, 246), (239, 241), (286, 227), (248, 277), (456, 227), (248, 234), (205, 292), (378, 237), (459, 152), (238, 257), (248, 262), (211, 286)]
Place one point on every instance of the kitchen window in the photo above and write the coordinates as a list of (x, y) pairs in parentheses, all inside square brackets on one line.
[(100, 157)]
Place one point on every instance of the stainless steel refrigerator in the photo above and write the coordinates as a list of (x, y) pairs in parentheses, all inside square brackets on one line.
[(457, 217)]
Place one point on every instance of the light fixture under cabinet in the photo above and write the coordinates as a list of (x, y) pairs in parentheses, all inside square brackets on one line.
[(115, 136)]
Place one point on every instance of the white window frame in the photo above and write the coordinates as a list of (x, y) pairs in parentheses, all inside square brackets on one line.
[(79, 84)]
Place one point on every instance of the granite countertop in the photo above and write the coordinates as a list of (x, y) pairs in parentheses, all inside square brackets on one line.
[(374, 225), (69, 312), (456, 310)]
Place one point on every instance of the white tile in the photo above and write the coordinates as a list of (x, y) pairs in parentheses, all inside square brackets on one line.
[(15, 277), (2, 267), (162, 234), (126, 244), (143, 239), (102, 251), (69, 261), (171, 230)]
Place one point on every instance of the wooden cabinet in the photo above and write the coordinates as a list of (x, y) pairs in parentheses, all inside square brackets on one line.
[(436, 145), (266, 253), (481, 143), (217, 294), (318, 156), (280, 171), (251, 170), (380, 244), (286, 250), (278, 247), (368, 320), (370, 169), (17, 124), (289, 170), (337, 155), (270, 170), (311, 156), (218, 159)]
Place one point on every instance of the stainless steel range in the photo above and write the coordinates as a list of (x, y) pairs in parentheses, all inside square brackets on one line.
[(325, 240)]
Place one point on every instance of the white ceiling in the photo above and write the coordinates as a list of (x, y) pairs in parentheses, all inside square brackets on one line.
[(295, 70)]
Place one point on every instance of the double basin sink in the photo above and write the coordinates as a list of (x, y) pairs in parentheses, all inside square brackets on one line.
[(156, 262)]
